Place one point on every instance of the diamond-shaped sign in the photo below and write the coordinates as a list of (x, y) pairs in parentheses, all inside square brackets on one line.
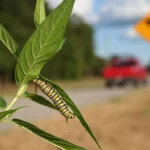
[(143, 27)]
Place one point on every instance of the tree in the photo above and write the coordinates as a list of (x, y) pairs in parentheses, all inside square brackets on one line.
[(76, 58), (77, 55)]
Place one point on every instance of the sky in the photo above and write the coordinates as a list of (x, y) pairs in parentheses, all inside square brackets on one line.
[(113, 22)]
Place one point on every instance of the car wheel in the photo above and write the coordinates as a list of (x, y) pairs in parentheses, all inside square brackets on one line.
[(145, 82), (135, 83), (109, 83)]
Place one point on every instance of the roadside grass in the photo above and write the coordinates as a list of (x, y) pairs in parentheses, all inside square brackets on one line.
[(82, 83), (10, 89), (122, 124)]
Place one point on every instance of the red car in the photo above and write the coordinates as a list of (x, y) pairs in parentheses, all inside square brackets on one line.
[(122, 71)]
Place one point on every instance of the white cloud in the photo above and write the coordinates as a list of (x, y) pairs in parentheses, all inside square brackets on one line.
[(124, 10), (82, 8), (131, 33), (111, 12)]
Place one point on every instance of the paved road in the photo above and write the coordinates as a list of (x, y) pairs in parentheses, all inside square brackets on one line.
[(81, 97)]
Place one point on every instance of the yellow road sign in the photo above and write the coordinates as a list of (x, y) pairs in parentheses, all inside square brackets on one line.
[(143, 27)]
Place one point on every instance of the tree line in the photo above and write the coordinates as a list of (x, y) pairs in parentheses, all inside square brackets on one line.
[(76, 59)]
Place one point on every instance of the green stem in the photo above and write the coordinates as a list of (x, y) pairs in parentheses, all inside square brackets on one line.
[(6, 121), (19, 93), (12, 103)]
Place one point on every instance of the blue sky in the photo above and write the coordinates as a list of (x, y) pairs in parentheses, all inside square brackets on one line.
[(114, 38), (97, 4), (108, 42), (113, 22)]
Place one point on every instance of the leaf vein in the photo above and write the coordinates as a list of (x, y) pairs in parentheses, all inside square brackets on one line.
[(26, 58), (22, 69)]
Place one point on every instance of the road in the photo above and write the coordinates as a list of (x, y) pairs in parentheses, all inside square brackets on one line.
[(81, 97)]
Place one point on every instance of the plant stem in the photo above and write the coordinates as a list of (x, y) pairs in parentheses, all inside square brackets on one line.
[(6, 121), (21, 90), (12, 103)]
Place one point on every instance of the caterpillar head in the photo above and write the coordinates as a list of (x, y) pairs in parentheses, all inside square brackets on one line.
[(35, 80)]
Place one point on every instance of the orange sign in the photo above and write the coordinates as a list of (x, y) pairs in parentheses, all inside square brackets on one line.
[(143, 27)]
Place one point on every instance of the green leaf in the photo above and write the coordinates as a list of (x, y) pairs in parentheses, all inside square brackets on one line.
[(44, 43), (8, 41), (73, 107), (39, 99), (8, 113), (60, 143), (61, 44), (39, 14), (3, 103)]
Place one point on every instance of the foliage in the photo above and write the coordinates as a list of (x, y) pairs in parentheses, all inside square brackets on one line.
[(60, 143), (3, 104), (78, 63), (39, 99), (42, 46), (8, 113), (73, 107), (17, 17), (98, 65)]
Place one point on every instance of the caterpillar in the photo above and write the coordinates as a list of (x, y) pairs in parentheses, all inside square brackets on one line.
[(57, 99)]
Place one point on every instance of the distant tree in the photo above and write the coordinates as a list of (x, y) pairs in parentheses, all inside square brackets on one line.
[(98, 65), (76, 58), (17, 17)]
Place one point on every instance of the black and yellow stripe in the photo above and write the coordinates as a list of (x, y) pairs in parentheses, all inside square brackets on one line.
[(52, 93)]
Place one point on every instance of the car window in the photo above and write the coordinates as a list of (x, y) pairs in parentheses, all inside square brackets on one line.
[(124, 64)]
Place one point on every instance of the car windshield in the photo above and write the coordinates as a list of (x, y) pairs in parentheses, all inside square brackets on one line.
[(123, 63)]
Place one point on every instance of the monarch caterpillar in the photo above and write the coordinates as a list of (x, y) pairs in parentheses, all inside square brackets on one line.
[(52, 93)]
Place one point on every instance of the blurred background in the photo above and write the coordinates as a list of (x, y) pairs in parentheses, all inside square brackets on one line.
[(104, 66)]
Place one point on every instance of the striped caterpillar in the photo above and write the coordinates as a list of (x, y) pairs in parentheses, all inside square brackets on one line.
[(52, 93)]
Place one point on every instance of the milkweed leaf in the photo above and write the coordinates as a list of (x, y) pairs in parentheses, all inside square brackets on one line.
[(58, 142), (61, 44), (3, 103), (73, 107), (39, 99), (9, 113), (39, 14), (44, 43), (8, 40)]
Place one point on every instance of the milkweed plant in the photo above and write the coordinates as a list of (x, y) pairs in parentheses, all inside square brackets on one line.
[(42, 46)]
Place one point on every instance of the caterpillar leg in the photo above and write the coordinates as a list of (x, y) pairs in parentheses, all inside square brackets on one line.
[(35, 88), (66, 120)]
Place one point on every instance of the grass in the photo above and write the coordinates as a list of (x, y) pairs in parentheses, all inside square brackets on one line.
[(82, 83), (10, 89), (120, 125)]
